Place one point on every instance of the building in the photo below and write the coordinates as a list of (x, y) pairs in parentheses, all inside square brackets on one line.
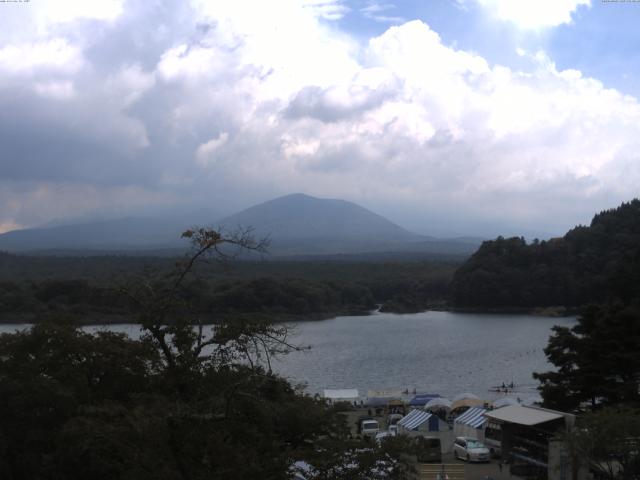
[(528, 438)]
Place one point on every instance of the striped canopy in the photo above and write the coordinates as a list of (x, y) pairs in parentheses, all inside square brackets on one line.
[(414, 419), (474, 417)]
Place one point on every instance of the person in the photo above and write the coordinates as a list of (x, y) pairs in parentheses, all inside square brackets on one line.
[(500, 466)]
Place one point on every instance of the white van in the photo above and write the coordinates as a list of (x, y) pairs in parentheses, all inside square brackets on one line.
[(369, 427), (392, 422)]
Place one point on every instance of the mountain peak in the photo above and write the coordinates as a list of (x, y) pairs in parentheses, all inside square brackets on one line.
[(328, 224)]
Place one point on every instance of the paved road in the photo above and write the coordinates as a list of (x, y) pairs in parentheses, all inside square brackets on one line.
[(481, 471)]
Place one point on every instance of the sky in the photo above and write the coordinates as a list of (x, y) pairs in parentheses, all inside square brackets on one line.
[(450, 117)]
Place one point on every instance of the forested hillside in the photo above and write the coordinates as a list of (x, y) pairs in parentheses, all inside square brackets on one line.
[(89, 287), (588, 265)]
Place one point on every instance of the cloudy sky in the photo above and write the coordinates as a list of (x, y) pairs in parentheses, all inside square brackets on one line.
[(448, 116)]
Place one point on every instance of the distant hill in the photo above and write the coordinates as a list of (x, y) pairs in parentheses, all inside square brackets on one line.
[(296, 224), (589, 264), (299, 224), (120, 234), (299, 216)]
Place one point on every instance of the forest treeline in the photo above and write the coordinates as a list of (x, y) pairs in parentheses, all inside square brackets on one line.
[(288, 290), (590, 264)]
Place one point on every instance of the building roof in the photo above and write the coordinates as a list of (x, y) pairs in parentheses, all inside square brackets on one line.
[(474, 417), (523, 415), (414, 419), (341, 393)]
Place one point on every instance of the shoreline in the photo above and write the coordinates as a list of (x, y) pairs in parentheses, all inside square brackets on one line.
[(94, 318)]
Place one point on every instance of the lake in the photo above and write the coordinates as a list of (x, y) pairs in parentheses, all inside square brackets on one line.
[(436, 352)]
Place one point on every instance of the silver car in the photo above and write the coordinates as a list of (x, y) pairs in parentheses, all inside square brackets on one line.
[(470, 449)]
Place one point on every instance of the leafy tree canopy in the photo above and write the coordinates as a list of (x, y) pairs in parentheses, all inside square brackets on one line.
[(597, 360), (179, 403), (587, 265)]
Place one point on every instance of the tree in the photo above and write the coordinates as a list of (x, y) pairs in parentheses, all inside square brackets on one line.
[(180, 403), (609, 442), (597, 360), (49, 374)]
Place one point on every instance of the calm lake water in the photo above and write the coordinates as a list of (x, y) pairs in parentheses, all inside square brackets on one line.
[(436, 352)]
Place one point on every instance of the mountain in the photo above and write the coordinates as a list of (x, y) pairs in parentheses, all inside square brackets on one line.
[(296, 224), (589, 264), (107, 235), (299, 224)]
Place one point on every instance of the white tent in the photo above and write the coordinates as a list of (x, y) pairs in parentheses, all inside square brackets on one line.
[(341, 395), (438, 404), (463, 396), (461, 405)]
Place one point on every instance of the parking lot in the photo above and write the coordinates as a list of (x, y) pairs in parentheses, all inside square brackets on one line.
[(453, 468), (472, 471)]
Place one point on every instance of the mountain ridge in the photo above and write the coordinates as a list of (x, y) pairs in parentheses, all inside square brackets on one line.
[(296, 224)]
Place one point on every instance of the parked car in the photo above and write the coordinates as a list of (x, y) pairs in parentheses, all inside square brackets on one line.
[(392, 422), (470, 449), (428, 449), (369, 427), (380, 436)]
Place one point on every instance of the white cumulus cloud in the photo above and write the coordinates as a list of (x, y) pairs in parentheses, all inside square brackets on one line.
[(536, 14), (241, 101), (205, 152), (54, 55)]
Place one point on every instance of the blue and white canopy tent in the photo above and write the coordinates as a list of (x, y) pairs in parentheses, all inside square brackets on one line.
[(470, 424), (421, 422)]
